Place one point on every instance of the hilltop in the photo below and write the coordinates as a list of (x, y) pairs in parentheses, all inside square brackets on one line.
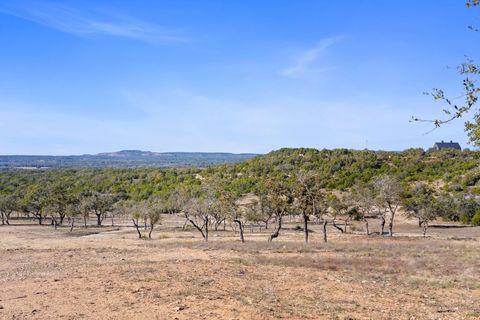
[(140, 174)]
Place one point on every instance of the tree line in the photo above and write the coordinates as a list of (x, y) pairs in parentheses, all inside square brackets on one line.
[(264, 190)]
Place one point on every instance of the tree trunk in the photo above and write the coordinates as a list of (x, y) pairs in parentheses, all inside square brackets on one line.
[(206, 229), (85, 221), (366, 227), (325, 230), (135, 223), (305, 226), (150, 232), (276, 232), (3, 218), (112, 220), (204, 234), (346, 224), (382, 225), (240, 226), (425, 227), (336, 226), (217, 224), (72, 221), (99, 219), (390, 225), (38, 216)]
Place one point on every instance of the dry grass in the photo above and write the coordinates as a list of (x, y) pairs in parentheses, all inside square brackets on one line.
[(108, 274)]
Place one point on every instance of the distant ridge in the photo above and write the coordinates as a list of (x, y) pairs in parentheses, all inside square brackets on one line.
[(123, 159), (129, 153)]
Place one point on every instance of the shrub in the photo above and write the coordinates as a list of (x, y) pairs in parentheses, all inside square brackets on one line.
[(471, 179), (476, 218)]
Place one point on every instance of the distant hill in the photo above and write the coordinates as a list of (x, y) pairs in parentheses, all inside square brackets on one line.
[(130, 153), (123, 159)]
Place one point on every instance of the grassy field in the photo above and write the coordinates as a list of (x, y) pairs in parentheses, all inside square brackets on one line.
[(106, 273)]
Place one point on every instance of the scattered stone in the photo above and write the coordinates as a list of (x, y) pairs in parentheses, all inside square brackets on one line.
[(180, 308)]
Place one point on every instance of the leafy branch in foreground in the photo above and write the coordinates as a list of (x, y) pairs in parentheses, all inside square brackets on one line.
[(453, 110)]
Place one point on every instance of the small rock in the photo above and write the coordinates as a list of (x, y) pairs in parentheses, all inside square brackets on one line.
[(1, 307), (180, 308)]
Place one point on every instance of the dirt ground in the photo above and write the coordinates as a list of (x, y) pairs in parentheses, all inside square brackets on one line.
[(107, 273)]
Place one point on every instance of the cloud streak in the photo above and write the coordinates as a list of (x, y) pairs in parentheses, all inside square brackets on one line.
[(91, 23), (306, 62)]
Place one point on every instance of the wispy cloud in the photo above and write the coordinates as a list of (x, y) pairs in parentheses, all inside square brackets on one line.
[(306, 63), (90, 23)]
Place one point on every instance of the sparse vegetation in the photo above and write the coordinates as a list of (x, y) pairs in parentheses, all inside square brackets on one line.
[(329, 186), (298, 233)]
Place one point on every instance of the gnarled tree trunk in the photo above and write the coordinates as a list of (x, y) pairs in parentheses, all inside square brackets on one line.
[(278, 227), (7, 217), (99, 219), (150, 232), (382, 225), (204, 233), (336, 226), (305, 226), (390, 225), (137, 226), (325, 230), (61, 217), (240, 226), (425, 227)]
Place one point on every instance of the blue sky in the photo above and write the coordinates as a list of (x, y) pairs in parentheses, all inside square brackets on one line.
[(218, 75)]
